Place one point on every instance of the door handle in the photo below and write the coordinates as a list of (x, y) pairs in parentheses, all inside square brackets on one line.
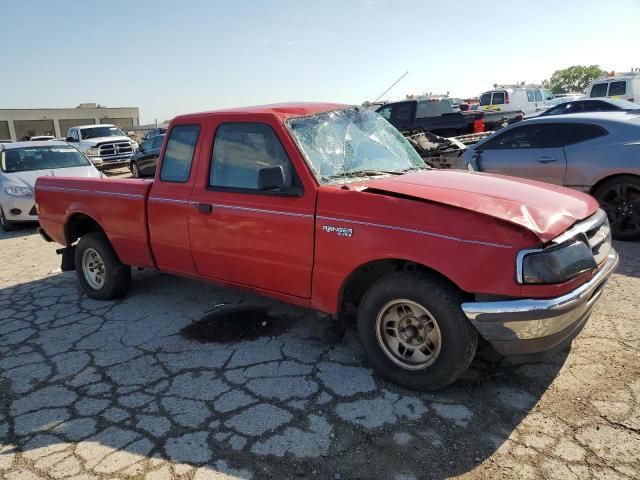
[(205, 208), (547, 160)]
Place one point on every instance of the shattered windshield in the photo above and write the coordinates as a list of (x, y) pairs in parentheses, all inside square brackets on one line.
[(354, 142)]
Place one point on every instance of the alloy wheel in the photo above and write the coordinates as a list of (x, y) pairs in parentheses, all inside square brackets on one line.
[(621, 202), (408, 334), (93, 268)]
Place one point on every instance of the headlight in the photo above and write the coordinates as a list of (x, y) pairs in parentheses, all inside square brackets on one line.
[(93, 152), (555, 264), (16, 191)]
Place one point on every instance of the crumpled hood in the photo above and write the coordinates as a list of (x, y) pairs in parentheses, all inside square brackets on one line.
[(95, 141), (544, 209), (28, 179)]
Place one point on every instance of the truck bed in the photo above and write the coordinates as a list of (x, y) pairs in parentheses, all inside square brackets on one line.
[(117, 205)]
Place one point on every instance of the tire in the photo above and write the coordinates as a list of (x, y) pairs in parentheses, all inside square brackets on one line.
[(619, 197), (444, 331), (6, 225), (135, 170), (101, 274)]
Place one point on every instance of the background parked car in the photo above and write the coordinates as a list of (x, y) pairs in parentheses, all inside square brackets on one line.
[(516, 97), (625, 86), (145, 160), (597, 153), (437, 116), (153, 132), (590, 105), (22, 163)]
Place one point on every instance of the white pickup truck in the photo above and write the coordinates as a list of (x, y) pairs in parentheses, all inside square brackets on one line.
[(105, 145)]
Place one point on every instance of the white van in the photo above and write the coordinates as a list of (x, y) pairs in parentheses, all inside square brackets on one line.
[(528, 99), (625, 86)]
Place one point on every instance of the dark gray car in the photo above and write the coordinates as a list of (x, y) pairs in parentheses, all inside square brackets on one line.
[(597, 153), (145, 160)]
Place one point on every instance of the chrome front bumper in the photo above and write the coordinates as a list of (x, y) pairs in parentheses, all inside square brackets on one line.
[(527, 326)]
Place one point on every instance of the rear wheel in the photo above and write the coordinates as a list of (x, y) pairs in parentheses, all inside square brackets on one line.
[(413, 331), (619, 197), (101, 274), (135, 170)]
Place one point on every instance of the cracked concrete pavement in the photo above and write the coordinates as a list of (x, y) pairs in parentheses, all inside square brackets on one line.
[(112, 390)]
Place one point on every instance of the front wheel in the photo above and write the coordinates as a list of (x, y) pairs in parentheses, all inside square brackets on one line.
[(414, 332), (619, 197), (135, 170), (101, 274), (6, 225)]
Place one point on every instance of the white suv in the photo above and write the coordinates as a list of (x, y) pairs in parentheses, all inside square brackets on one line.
[(105, 145), (625, 86)]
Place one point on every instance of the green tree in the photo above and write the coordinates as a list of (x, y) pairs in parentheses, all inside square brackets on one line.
[(574, 79)]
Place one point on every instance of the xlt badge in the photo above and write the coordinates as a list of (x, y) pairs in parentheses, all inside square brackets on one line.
[(341, 231)]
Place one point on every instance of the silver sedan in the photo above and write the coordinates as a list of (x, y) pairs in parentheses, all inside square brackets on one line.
[(22, 163), (597, 153)]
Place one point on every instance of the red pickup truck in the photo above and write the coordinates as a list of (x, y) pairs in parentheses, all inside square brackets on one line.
[(328, 207)]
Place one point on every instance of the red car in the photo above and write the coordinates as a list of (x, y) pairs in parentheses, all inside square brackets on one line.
[(328, 207)]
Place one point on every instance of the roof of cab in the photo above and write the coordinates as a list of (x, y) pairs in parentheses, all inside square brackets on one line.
[(280, 110)]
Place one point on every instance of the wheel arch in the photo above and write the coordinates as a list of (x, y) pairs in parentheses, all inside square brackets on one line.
[(79, 224), (362, 277), (600, 182)]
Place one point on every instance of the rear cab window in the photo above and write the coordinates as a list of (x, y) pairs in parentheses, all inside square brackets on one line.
[(485, 99), (433, 108), (178, 155), (599, 90)]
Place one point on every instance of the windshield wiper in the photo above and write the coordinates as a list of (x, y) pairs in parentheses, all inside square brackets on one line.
[(412, 169), (364, 173)]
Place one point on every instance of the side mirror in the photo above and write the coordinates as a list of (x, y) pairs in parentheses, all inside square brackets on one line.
[(271, 178), (141, 148), (69, 139)]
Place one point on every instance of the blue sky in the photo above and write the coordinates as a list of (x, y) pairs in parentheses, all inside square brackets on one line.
[(172, 57)]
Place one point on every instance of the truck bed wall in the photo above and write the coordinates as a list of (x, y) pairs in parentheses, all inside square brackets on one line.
[(117, 205)]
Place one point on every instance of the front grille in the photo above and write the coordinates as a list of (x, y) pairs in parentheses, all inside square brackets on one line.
[(596, 231), (112, 149)]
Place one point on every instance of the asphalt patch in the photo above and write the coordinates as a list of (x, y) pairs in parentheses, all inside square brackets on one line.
[(235, 324)]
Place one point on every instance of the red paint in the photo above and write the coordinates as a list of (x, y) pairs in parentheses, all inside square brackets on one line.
[(468, 227)]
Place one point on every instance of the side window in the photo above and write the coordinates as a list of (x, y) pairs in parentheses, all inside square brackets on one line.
[(241, 151), (178, 156), (529, 136), (530, 97), (485, 99), (157, 142), (599, 90), (547, 95), (617, 88), (581, 132), (537, 95), (385, 112), (498, 98)]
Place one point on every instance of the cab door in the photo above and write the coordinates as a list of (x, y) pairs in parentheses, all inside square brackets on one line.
[(533, 151), (252, 221), (168, 202)]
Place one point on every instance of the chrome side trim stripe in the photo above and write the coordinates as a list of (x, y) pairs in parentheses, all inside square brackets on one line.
[(169, 200), (419, 232), (260, 210), (99, 192)]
